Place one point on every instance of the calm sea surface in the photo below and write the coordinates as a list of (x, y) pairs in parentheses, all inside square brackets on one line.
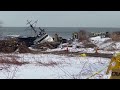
[(65, 32)]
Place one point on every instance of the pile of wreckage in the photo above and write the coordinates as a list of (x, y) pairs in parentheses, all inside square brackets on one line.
[(41, 41), (21, 44), (10, 45), (82, 37), (115, 36), (102, 34)]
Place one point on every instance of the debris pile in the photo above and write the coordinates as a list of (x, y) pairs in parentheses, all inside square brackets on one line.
[(46, 45), (22, 48), (83, 35), (56, 38), (9, 45), (88, 44), (115, 36)]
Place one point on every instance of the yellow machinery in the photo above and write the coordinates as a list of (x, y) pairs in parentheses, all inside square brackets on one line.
[(114, 66), (83, 55)]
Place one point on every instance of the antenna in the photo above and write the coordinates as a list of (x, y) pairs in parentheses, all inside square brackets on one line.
[(35, 22), (28, 22), (31, 25)]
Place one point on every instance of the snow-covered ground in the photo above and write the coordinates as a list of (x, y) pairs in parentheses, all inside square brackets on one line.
[(98, 40), (83, 50), (106, 45), (48, 66)]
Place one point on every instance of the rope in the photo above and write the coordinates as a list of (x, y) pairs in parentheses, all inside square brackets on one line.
[(118, 59), (97, 72)]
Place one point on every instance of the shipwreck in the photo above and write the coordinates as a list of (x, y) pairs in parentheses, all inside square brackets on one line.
[(39, 37)]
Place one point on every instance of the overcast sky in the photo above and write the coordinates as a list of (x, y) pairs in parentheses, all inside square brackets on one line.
[(61, 18)]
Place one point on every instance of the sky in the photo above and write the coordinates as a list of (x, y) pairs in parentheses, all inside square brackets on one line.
[(61, 18)]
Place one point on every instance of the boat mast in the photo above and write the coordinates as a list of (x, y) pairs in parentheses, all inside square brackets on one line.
[(31, 25)]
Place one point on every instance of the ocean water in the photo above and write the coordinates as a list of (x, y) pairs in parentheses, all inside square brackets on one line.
[(65, 32)]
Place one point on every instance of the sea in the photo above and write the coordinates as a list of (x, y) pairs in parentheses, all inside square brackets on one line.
[(65, 32)]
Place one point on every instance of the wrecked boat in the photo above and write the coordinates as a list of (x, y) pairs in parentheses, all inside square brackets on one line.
[(41, 40), (40, 37)]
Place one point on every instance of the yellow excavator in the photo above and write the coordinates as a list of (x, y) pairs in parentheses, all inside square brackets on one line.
[(114, 66)]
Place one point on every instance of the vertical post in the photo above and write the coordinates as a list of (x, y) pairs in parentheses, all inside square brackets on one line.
[(67, 49), (96, 50)]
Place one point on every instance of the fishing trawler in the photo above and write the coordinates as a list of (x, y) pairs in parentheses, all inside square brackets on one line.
[(40, 36)]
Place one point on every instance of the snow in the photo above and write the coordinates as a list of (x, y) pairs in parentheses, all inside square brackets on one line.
[(106, 45), (84, 50), (117, 45), (73, 49), (98, 40), (66, 68), (49, 66)]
